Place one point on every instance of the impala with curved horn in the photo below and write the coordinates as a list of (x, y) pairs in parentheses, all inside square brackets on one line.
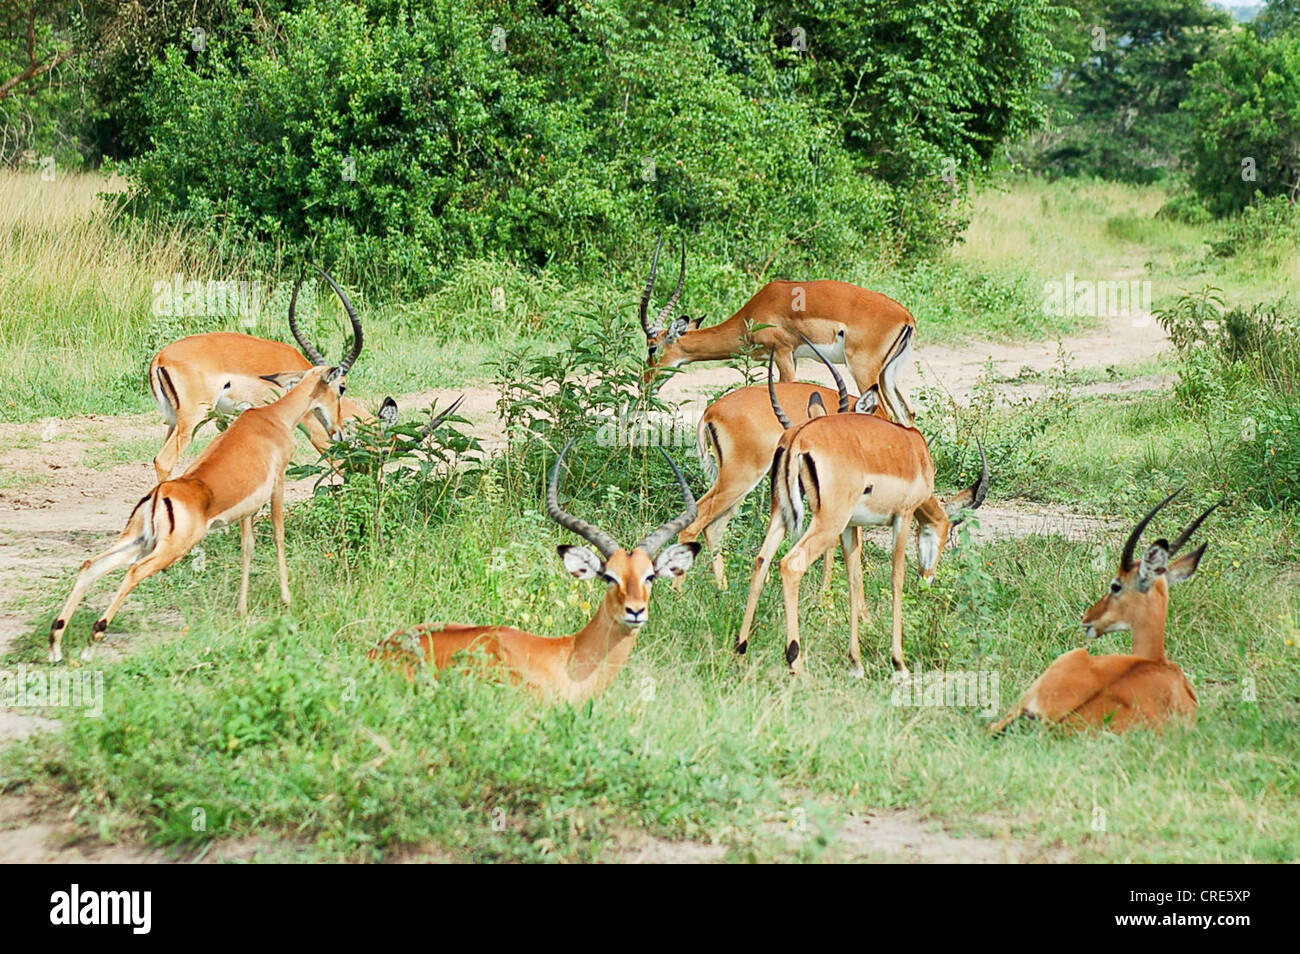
[(232, 371), (1130, 690), (855, 327), (576, 667), (240, 471), (857, 470), (736, 438)]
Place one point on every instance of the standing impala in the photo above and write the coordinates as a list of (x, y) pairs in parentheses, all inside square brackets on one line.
[(577, 667), (736, 438), (230, 371), (857, 470), (1130, 690), (853, 326)]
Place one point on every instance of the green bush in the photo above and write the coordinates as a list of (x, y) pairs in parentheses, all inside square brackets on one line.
[(401, 138)]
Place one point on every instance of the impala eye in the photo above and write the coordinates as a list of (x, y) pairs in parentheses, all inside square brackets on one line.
[(343, 389), (1115, 586)]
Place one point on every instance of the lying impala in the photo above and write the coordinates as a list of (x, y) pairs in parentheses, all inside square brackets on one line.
[(231, 371), (1124, 691), (577, 667), (857, 470), (856, 327), (239, 472), (736, 438)]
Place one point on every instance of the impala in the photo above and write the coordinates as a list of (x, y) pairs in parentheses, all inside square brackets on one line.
[(576, 667), (1123, 691), (862, 329), (736, 438), (857, 470), (231, 371)]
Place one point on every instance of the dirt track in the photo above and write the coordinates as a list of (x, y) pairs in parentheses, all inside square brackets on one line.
[(56, 508)]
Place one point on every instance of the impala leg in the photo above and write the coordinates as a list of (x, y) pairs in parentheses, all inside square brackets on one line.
[(814, 544), (277, 521), (160, 559), (126, 550), (775, 534), (851, 545), (178, 438), (246, 551), (899, 571), (785, 363), (828, 571)]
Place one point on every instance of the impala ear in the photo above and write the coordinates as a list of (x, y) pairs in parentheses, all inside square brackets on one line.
[(678, 328), (675, 560), (1184, 568), (694, 323), (1155, 564), (816, 406), (580, 562), (388, 412), (285, 379), (869, 401)]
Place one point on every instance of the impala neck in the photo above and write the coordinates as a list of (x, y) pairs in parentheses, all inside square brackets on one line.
[(600, 649), (713, 343), (1148, 630), (297, 401)]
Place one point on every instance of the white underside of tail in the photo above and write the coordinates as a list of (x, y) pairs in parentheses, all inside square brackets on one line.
[(706, 451)]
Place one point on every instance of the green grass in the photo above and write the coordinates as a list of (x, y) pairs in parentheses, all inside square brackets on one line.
[(282, 726)]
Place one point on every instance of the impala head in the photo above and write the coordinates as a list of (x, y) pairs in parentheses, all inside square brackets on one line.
[(662, 334), (630, 574), (935, 523), (330, 380), (1140, 588)]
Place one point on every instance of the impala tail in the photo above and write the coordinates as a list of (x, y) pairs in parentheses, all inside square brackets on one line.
[(895, 361), (708, 450)]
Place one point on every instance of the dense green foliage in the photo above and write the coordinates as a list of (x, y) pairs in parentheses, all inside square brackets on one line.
[(1245, 112), (1115, 102)]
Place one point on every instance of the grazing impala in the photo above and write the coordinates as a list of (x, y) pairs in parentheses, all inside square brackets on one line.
[(853, 326), (1131, 690), (231, 371), (577, 667), (736, 438), (857, 470)]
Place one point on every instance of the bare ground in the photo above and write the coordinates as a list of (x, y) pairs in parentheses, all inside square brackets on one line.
[(57, 507)]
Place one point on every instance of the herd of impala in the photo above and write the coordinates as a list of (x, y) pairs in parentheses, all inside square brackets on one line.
[(830, 475)]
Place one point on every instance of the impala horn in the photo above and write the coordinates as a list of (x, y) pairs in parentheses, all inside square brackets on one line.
[(839, 381), (314, 356), (1126, 558), (598, 538), (653, 543), (433, 425), (352, 355), (771, 393), (650, 287), (661, 320)]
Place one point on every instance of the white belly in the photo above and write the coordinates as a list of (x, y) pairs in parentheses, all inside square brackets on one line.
[(864, 516), (834, 351)]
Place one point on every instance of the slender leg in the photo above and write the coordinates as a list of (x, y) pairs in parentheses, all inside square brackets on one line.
[(775, 534), (713, 537), (785, 363), (851, 545), (246, 548), (828, 570), (126, 550), (178, 438), (162, 557), (277, 521), (900, 568), (814, 544)]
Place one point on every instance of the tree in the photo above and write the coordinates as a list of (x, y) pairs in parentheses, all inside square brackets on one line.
[(1244, 107)]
